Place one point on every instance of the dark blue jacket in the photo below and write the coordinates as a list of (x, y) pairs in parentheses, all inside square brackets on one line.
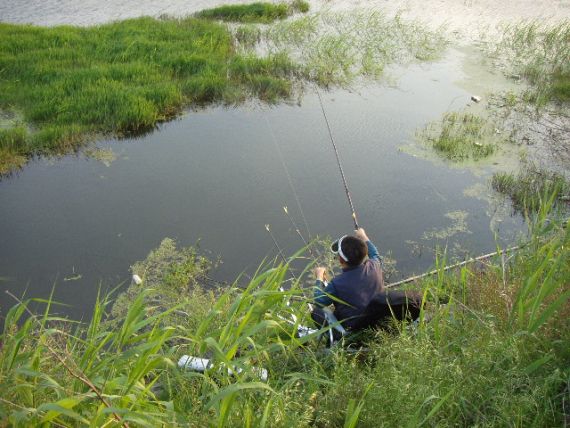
[(354, 287)]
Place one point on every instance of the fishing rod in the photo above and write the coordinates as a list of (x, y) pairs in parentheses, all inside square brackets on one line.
[(456, 265), (338, 162)]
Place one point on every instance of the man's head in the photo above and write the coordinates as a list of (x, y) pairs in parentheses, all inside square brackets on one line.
[(351, 250)]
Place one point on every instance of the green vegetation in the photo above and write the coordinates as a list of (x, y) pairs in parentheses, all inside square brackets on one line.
[(496, 355), (531, 186), (71, 83), (254, 12), (461, 136), (541, 54)]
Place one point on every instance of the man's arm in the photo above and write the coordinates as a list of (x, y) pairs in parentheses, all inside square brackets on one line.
[(322, 293), (373, 253)]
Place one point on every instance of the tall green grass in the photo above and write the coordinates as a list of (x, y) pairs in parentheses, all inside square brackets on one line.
[(530, 188), (71, 83), (495, 355)]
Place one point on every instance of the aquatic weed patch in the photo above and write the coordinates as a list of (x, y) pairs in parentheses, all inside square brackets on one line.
[(121, 78), (337, 48), (461, 136)]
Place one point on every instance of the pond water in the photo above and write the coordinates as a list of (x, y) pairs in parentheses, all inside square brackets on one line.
[(215, 176), (93, 12)]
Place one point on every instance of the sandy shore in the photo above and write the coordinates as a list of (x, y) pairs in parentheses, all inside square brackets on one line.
[(466, 17)]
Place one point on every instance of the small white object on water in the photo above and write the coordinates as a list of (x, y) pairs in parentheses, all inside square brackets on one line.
[(202, 364), (476, 98), (137, 279)]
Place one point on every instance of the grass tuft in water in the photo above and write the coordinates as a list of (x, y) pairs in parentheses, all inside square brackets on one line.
[(461, 136), (260, 12)]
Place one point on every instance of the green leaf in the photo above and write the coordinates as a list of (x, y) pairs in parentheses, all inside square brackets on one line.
[(437, 406), (537, 364), (62, 407), (235, 388)]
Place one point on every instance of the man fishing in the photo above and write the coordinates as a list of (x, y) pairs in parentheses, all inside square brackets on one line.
[(351, 291)]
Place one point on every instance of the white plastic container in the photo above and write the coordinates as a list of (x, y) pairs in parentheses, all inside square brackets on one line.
[(193, 363), (197, 364)]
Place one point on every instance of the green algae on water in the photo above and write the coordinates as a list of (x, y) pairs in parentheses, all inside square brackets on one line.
[(458, 225)]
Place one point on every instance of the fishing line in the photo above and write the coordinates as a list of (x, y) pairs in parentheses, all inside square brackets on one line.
[(276, 243), (338, 162), (288, 177), (295, 226)]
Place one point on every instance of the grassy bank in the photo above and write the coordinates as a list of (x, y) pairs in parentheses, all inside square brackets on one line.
[(72, 83), (496, 355)]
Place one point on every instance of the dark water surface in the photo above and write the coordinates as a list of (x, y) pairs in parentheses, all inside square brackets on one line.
[(215, 176)]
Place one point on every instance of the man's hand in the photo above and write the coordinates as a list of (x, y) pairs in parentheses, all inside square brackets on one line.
[(320, 273), (360, 233)]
